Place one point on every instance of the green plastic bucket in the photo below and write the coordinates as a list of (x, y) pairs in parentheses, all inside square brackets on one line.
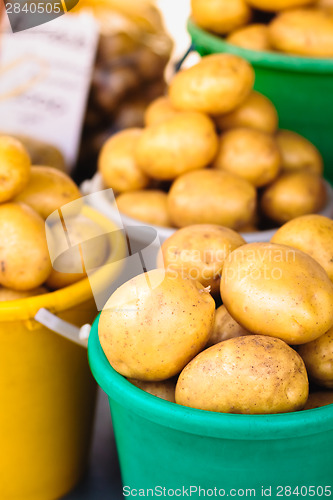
[(301, 88), (164, 445)]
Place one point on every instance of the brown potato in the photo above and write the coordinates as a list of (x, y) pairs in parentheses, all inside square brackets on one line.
[(313, 234), (297, 153), (279, 291), (146, 206), (186, 141), (225, 327), (217, 84), (9, 294), (14, 167), (117, 164), (293, 195), (211, 197), (252, 37), (319, 398), (154, 324), (220, 16), (251, 154), (164, 389), (199, 252), (277, 5), (158, 111), (304, 32), (251, 374), (42, 153), (318, 358)]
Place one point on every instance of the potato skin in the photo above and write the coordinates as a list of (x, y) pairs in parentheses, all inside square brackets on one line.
[(199, 252), (217, 84), (186, 141), (164, 389), (277, 5), (225, 327), (211, 197), (14, 167), (318, 358), (220, 16), (297, 153), (154, 324), (293, 195), (146, 206), (158, 111), (313, 234), (279, 291), (251, 375), (250, 154), (252, 37)]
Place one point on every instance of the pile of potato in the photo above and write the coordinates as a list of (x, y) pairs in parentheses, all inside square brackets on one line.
[(297, 27), (166, 331), (211, 153)]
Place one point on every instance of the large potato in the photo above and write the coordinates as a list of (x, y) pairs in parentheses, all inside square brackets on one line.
[(220, 16), (297, 153), (165, 389), (199, 252), (146, 206), (211, 197), (304, 32), (225, 327), (14, 167), (184, 142), (277, 5), (24, 257), (252, 37), (293, 195), (251, 374), (319, 398), (279, 291), (217, 84), (313, 234), (318, 358), (48, 190), (158, 111), (154, 324), (117, 164), (250, 154)]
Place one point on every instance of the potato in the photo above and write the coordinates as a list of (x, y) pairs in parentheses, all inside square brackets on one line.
[(211, 197), (252, 37), (277, 5), (318, 358), (279, 291), (164, 389), (304, 32), (146, 206), (154, 324), (199, 252), (250, 154), (325, 4), (319, 398), (9, 294), (48, 190), (225, 327), (24, 257), (117, 164), (297, 153), (293, 195), (216, 84), (42, 153), (313, 234), (158, 111), (251, 374), (186, 141), (14, 167), (220, 16)]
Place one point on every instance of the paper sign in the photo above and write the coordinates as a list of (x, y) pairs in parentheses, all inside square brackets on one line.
[(45, 76)]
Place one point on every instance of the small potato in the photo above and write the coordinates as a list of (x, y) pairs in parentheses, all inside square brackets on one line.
[(251, 154), (146, 206), (14, 167), (42, 153), (319, 398), (277, 5), (318, 358), (251, 375), (199, 252), (252, 37), (217, 84), (220, 16), (154, 324), (211, 197), (313, 234), (186, 141), (297, 153), (279, 291), (158, 111), (48, 190), (304, 32), (9, 294), (117, 164), (225, 327), (24, 257), (164, 389), (294, 195)]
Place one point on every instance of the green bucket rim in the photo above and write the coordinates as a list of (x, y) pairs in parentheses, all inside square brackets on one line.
[(200, 422), (214, 44)]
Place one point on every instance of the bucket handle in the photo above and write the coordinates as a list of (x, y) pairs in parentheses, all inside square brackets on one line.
[(67, 330)]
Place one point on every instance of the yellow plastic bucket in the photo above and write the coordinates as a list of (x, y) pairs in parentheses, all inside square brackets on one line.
[(46, 389)]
